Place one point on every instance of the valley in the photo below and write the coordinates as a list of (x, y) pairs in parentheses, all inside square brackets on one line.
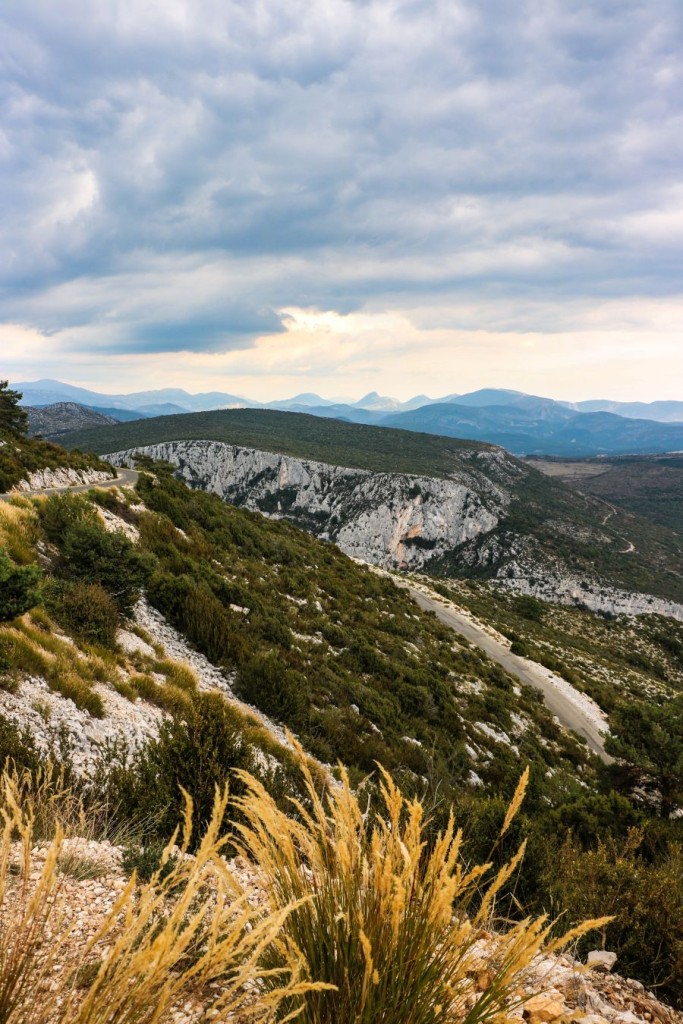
[(650, 486)]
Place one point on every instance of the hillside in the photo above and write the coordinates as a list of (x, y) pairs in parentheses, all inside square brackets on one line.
[(21, 458), (310, 437), (568, 537), (651, 487), (218, 608), (53, 420)]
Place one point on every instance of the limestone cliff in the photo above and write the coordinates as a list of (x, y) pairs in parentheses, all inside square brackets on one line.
[(392, 520), (45, 479), (400, 521)]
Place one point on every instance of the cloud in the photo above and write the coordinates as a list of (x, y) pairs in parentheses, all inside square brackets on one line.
[(173, 175)]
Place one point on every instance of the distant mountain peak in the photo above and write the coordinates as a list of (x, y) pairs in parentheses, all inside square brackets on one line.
[(373, 400)]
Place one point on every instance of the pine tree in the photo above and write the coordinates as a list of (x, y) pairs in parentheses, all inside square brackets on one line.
[(13, 419)]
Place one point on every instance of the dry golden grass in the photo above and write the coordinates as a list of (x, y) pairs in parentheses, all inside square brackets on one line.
[(382, 916), (186, 934), (363, 922), (19, 529)]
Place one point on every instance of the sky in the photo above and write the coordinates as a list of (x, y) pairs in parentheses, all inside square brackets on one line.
[(274, 196)]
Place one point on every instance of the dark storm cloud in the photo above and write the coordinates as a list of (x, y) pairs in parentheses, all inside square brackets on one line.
[(175, 173)]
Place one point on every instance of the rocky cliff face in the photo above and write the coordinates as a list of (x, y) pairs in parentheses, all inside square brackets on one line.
[(398, 521), (389, 519), (556, 583)]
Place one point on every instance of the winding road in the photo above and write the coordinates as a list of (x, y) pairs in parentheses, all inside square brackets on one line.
[(558, 703), (125, 478)]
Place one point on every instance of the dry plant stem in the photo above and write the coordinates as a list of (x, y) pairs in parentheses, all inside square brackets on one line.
[(32, 937), (386, 920), (187, 933)]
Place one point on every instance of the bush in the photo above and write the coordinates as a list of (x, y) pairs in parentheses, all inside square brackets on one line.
[(92, 555), (18, 588), (147, 860), (85, 610), (520, 648), (646, 899), (530, 608), (17, 746), (198, 754), (268, 684), (62, 511)]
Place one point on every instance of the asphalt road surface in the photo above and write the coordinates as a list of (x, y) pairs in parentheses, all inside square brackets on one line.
[(126, 478), (571, 716)]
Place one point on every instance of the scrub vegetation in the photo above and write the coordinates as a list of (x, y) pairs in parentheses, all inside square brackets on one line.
[(350, 664)]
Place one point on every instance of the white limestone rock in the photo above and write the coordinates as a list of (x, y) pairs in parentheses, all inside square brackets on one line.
[(45, 479)]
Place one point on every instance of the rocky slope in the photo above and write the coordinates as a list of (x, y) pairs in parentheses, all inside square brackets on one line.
[(554, 988), (56, 419), (402, 521), (46, 479), (389, 519)]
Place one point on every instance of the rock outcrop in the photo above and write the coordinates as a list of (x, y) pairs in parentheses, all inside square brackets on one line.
[(45, 479), (390, 519)]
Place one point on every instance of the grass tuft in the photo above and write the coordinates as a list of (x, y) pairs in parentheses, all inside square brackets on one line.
[(186, 933), (383, 916)]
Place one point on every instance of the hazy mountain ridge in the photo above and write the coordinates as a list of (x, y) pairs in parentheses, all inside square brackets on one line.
[(544, 427), (524, 424)]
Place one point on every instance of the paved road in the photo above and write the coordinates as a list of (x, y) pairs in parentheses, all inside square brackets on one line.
[(126, 478), (557, 702)]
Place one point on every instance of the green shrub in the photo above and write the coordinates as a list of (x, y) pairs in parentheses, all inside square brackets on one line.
[(146, 860), (267, 683), (520, 648), (91, 554), (85, 610), (530, 608), (62, 511), (19, 589), (197, 753), (646, 899), (18, 746)]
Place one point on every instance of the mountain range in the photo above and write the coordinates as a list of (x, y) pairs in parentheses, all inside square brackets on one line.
[(523, 424)]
